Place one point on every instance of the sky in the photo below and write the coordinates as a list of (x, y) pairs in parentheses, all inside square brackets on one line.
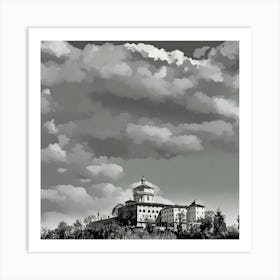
[(112, 112)]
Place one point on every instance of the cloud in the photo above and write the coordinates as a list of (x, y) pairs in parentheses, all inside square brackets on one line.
[(199, 52), (63, 140), (47, 102), (209, 71), (230, 49), (56, 73), (226, 107), (200, 102), (217, 128), (68, 199), (131, 76), (142, 133), (68, 202), (53, 153), (61, 170), (142, 74), (78, 155), (101, 125), (108, 170), (149, 51), (162, 138), (57, 48), (50, 126), (46, 91), (82, 163)]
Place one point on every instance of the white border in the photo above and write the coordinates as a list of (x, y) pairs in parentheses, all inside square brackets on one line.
[(244, 244)]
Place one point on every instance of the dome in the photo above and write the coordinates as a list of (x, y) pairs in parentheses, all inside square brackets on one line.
[(143, 192)]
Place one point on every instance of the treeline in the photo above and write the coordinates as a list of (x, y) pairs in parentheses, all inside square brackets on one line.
[(212, 227)]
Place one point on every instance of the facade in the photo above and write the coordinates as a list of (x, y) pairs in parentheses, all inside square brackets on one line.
[(195, 212), (142, 210), (172, 216), (140, 213)]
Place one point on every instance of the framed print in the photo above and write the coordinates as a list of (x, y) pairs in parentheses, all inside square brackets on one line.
[(140, 139)]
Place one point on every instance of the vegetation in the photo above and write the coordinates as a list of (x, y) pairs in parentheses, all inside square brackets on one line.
[(211, 227), (106, 232)]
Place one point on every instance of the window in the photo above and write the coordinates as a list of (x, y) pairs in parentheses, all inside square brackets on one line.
[(153, 211), (148, 211), (140, 210), (148, 198), (144, 211)]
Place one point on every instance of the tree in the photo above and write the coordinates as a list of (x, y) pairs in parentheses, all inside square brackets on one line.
[(62, 225), (149, 225), (219, 224), (44, 232), (62, 230), (238, 221), (78, 224), (206, 224)]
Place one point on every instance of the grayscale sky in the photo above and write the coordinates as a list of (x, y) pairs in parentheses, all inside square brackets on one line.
[(112, 112)]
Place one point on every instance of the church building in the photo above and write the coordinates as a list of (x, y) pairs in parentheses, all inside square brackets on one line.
[(143, 209)]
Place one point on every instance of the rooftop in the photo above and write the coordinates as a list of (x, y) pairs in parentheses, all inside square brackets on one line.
[(175, 206), (148, 204), (196, 203)]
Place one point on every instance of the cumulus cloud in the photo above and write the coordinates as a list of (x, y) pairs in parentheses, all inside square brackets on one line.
[(56, 73), (136, 78), (61, 170), (68, 199), (230, 49), (63, 140), (163, 138), (77, 160), (199, 52), (57, 48), (110, 170), (101, 125), (46, 91), (53, 153), (200, 102), (48, 103), (218, 128), (68, 202), (149, 51), (209, 71), (50, 126)]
